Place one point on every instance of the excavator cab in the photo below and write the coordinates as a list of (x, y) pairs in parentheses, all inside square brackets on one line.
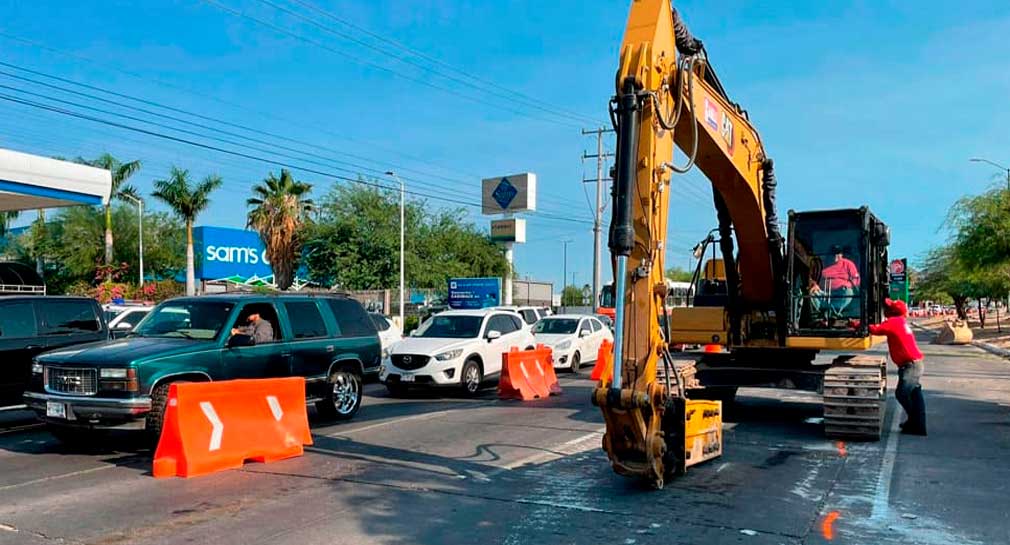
[(837, 272)]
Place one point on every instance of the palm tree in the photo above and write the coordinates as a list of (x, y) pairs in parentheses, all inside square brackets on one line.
[(120, 173), (279, 215), (6, 217), (187, 201)]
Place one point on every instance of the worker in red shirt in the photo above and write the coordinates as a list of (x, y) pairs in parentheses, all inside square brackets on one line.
[(839, 284), (906, 355)]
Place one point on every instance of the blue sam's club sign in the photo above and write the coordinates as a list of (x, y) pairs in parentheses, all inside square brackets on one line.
[(470, 293), (222, 252)]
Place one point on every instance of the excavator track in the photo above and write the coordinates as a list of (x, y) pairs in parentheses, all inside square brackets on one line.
[(854, 397)]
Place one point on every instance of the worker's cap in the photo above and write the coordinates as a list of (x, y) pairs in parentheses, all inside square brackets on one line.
[(895, 308)]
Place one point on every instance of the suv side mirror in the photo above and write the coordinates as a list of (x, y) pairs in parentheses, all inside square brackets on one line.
[(413, 333), (124, 326), (239, 340), (493, 334), (584, 333)]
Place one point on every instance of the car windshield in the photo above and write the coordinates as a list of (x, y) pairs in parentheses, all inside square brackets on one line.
[(556, 326), (451, 327), (202, 320)]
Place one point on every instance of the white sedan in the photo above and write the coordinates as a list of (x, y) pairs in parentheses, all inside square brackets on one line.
[(455, 348), (574, 339)]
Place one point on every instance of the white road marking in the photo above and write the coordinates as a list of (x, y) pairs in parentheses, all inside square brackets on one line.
[(559, 451), (217, 426), (55, 477), (423, 416), (882, 495), (275, 407)]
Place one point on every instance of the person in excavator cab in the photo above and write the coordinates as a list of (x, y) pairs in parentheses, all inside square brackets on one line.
[(839, 285), (906, 355)]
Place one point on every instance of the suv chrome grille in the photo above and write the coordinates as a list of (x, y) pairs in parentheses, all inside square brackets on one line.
[(63, 380), (409, 362)]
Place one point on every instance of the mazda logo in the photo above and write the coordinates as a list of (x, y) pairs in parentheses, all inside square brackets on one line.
[(406, 359)]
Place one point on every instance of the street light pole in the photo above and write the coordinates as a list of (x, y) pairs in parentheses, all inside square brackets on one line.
[(397, 178), (564, 274), (995, 164), (140, 233), (1007, 170)]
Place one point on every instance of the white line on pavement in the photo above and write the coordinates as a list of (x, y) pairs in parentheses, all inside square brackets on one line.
[(423, 416), (882, 496), (56, 477), (555, 452)]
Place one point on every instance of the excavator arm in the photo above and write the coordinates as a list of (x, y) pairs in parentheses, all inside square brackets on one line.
[(666, 94)]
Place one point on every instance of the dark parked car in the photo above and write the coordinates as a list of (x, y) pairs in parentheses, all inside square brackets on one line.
[(123, 384), (30, 325)]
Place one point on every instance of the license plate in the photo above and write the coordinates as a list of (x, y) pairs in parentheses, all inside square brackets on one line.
[(406, 378), (56, 410)]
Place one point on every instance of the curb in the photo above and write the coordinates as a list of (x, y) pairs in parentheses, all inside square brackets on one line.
[(992, 349)]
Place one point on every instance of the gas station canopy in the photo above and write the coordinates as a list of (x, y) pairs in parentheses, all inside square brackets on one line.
[(29, 182)]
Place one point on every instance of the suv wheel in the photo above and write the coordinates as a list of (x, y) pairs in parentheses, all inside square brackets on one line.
[(576, 361), (343, 396), (471, 377), (156, 418)]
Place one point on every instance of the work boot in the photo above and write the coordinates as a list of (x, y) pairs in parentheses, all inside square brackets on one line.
[(913, 430)]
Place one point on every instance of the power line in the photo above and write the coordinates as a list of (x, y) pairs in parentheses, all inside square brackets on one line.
[(180, 120), (36, 45), (526, 101), (435, 60), (283, 164), (357, 59)]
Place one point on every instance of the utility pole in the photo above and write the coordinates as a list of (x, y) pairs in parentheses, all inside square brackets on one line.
[(564, 274), (600, 157)]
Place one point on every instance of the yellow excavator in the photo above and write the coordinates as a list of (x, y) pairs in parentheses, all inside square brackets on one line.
[(776, 303)]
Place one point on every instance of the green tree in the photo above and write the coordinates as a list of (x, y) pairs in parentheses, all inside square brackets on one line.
[(571, 296), (6, 218), (355, 243), (280, 213), (72, 247), (678, 274), (120, 173), (186, 200)]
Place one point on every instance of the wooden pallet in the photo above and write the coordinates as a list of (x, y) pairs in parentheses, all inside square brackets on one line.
[(854, 396)]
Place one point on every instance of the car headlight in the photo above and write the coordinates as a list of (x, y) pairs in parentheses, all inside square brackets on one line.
[(563, 345), (112, 373), (36, 368), (450, 354)]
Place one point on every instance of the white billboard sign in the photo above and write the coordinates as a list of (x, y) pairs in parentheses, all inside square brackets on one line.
[(508, 230), (507, 194)]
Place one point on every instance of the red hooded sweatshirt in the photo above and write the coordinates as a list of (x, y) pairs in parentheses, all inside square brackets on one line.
[(900, 340)]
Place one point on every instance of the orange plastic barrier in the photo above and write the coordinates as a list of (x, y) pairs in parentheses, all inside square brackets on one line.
[(213, 426), (604, 362), (528, 374)]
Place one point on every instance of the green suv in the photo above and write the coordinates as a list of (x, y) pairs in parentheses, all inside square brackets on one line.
[(123, 384)]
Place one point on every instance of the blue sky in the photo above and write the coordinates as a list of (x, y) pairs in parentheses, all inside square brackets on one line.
[(881, 103)]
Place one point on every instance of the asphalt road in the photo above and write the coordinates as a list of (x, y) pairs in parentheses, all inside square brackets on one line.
[(442, 470)]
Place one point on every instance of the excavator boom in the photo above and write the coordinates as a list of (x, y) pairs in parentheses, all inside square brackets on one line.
[(668, 95)]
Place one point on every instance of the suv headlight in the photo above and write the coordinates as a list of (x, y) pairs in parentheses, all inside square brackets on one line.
[(450, 354), (112, 373), (36, 368), (563, 345)]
